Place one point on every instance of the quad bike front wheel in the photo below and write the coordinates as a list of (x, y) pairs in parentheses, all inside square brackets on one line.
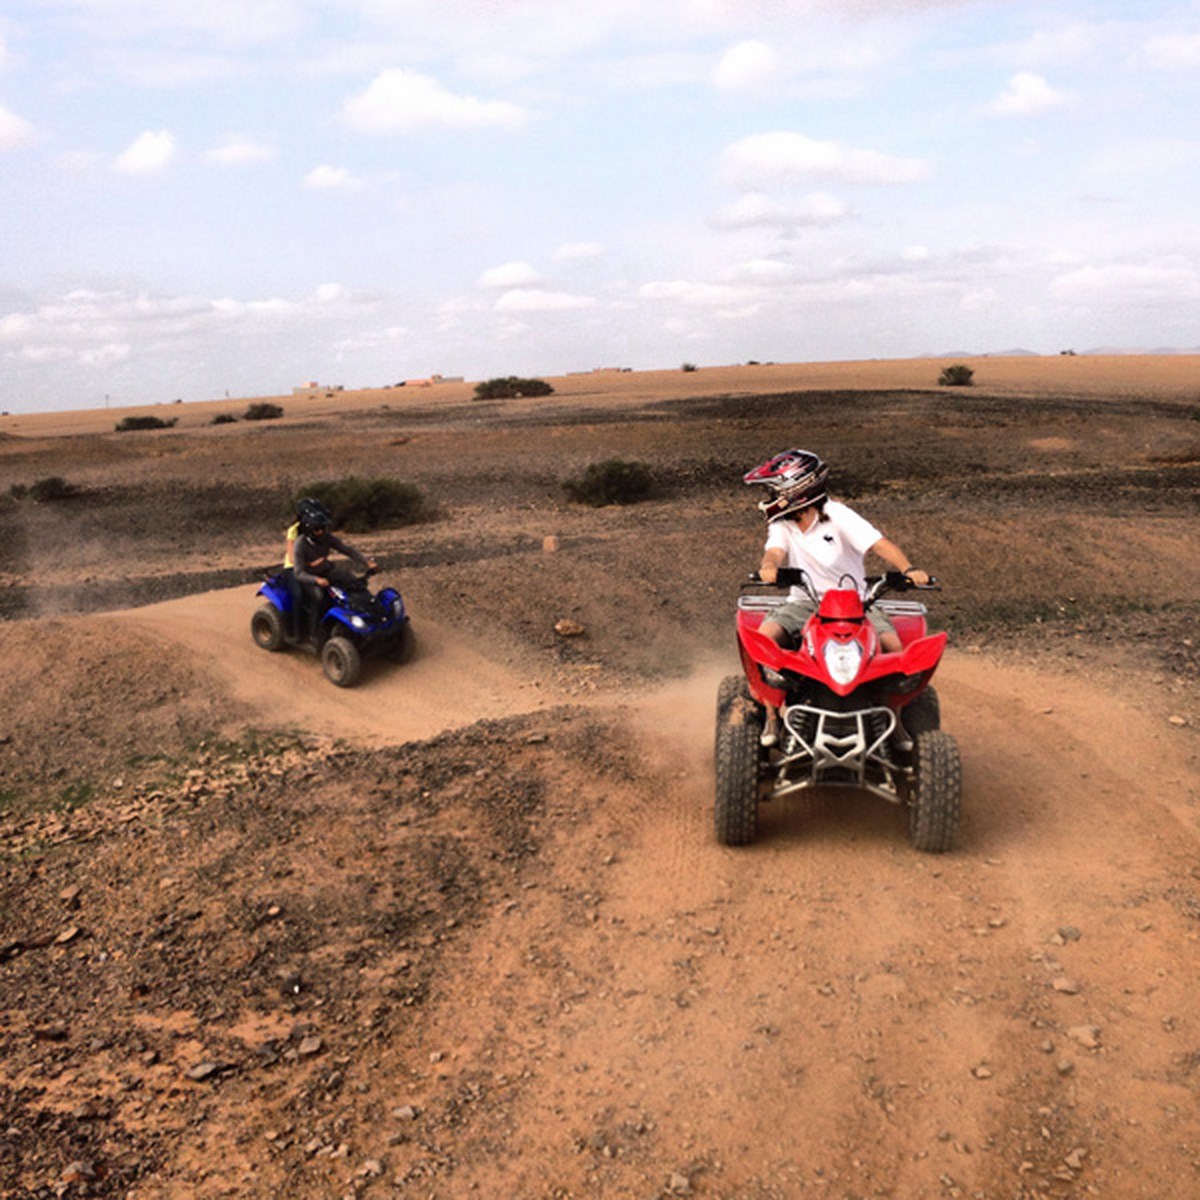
[(924, 713), (737, 750), (266, 628), (341, 661), (405, 645), (935, 799)]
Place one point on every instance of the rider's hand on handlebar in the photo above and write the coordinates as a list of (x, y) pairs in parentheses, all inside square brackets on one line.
[(768, 572), (917, 576)]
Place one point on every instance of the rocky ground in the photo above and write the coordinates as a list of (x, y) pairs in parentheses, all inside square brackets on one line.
[(465, 930)]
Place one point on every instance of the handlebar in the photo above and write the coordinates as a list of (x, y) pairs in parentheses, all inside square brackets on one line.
[(890, 581)]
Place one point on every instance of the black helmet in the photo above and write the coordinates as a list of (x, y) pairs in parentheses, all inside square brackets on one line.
[(795, 480), (312, 515)]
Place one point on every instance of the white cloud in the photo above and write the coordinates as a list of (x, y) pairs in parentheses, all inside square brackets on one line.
[(372, 339), (147, 153), (1151, 156), (331, 179), (1027, 95), (574, 251), (1167, 282), (763, 157), (695, 293), (401, 101), (1069, 43), (747, 67), (510, 275), (758, 209), (107, 355), (526, 300), (238, 152), (768, 272), (15, 132), (1180, 52), (93, 328)]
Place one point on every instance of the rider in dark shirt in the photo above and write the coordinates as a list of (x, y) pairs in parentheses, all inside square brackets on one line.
[(311, 565)]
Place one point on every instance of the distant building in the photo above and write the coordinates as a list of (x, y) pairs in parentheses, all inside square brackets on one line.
[(312, 389)]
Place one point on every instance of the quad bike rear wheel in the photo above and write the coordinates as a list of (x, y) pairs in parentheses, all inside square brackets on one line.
[(935, 799), (738, 727), (341, 661), (266, 628)]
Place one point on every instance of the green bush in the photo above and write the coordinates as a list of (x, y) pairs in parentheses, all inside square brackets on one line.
[(263, 411), (511, 387), (360, 505), (957, 375), (223, 419), (611, 482), (127, 424), (688, 367)]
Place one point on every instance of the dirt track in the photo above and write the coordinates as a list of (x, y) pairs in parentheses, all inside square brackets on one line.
[(465, 930)]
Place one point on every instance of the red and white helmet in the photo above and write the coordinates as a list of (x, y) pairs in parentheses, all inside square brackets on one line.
[(795, 479)]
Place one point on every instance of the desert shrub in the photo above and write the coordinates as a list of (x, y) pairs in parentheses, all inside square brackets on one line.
[(511, 387), (688, 367), (128, 424), (53, 487), (223, 419), (359, 505), (611, 482), (263, 411), (956, 375)]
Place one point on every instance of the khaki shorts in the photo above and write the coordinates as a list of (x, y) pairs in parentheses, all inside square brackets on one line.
[(794, 615)]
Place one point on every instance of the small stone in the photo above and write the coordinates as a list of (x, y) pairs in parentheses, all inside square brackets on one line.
[(70, 895), (406, 1112), (1087, 1036), (568, 628), (1074, 1160), (68, 935), (1068, 987), (982, 1072), (310, 1046), (1176, 720), (680, 1184), (549, 544), (371, 1169), (1069, 933), (204, 1070), (1064, 1066)]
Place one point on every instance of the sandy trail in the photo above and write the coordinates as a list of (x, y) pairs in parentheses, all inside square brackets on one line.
[(447, 685), (826, 1009)]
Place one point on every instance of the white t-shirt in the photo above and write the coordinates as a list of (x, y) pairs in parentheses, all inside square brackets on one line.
[(832, 552)]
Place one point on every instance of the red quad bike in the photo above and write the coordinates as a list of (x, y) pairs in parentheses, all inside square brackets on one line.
[(850, 714)]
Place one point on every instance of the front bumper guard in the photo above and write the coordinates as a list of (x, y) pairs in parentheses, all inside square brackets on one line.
[(821, 748)]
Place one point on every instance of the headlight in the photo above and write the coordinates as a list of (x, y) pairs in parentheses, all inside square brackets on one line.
[(842, 661), (358, 623), (773, 678)]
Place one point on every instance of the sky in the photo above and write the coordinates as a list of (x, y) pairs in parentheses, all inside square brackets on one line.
[(200, 199)]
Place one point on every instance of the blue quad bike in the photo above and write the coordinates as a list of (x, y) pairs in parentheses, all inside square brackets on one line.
[(355, 624)]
